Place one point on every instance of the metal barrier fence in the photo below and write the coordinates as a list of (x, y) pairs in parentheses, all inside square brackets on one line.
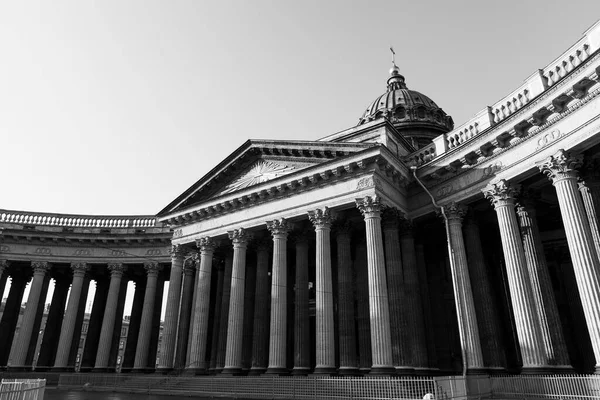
[(547, 387), (22, 389), (265, 387)]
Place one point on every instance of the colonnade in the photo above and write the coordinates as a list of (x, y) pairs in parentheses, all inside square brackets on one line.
[(62, 333)]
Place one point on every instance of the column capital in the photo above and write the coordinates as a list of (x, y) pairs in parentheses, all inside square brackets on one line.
[(40, 267), (279, 227), (501, 193), (583, 186), (191, 264), (561, 165), (4, 264), (406, 227), (369, 206), (206, 244), (79, 268), (152, 268), (391, 218), (116, 269), (240, 237), (177, 252), (454, 211), (321, 217)]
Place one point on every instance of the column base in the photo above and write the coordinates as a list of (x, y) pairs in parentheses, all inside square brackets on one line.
[(364, 371), (405, 371), (325, 371), (349, 371), (195, 371), (427, 371), (382, 371), (301, 371), (63, 369), (477, 371), (256, 371), (277, 371), (497, 371), (163, 370), (542, 370), (19, 368), (597, 370), (39, 368), (142, 371), (98, 370), (236, 371)]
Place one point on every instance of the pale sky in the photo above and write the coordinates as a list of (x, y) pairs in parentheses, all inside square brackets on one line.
[(116, 107)]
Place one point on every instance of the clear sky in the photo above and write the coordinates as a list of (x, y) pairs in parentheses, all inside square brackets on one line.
[(116, 107)]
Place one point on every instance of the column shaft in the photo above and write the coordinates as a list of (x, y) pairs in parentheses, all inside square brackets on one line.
[(325, 340), (71, 315), (301, 317), (465, 307), (278, 333), (346, 323), (235, 332), (92, 337), (224, 320), (590, 193), (10, 315), (260, 335), (134, 326), (362, 309), (197, 361), (108, 322), (485, 308), (543, 293), (141, 361), (53, 324), (169, 336), (186, 312)]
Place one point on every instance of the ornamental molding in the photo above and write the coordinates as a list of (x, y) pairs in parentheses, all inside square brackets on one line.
[(206, 244), (321, 217), (501, 193), (561, 165), (279, 227), (454, 211), (239, 236), (261, 171), (369, 205)]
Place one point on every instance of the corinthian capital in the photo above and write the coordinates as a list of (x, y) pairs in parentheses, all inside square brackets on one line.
[(40, 267), (455, 211), (152, 268), (321, 218), (79, 268), (239, 236), (561, 165), (116, 269), (501, 193), (391, 218), (206, 244), (177, 251), (369, 206), (4, 264), (279, 227), (190, 264)]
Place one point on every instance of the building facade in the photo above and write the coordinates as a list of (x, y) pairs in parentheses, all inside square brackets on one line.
[(403, 245)]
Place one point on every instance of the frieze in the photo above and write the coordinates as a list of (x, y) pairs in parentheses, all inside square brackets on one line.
[(548, 138), (118, 253), (153, 252), (444, 191), (368, 182), (492, 169), (43, 251), (177, 233), (4, 249), (82, 252)]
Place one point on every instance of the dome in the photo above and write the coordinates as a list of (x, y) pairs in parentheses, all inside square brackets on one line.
[(415, 115)]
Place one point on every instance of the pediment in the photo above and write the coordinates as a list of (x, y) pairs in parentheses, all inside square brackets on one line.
[(257, 162)]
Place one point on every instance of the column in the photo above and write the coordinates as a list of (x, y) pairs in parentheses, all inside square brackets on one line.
[(346, 323), (411, 298), (169, 337), (590, 194), (218, 316), (362, 308), (92, 337), (134, 326), (108, 321), (10, 315), (543, 293), (400, 328), (3, 276), (23, 340), (277, 337), (235, 331), (141, 361), (325, 334), (223, 321), (186, 311), (561, 168), (463, 294), (197, 361), (301, 312), (381, 340), (492, 348), (502, 196), (428, 324), (53, 324), (260, 335), (66, 338)]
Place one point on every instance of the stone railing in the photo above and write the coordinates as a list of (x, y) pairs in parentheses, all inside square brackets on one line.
[(535, 85), (22, 389), (77, 221), (422, 156)]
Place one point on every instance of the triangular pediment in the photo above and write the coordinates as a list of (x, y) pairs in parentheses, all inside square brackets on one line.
[(257, 162)]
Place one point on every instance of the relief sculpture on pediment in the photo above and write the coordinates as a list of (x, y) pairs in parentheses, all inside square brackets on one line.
[(260, 172)]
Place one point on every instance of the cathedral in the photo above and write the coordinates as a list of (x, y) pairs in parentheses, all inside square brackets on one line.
[(403, 245)]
